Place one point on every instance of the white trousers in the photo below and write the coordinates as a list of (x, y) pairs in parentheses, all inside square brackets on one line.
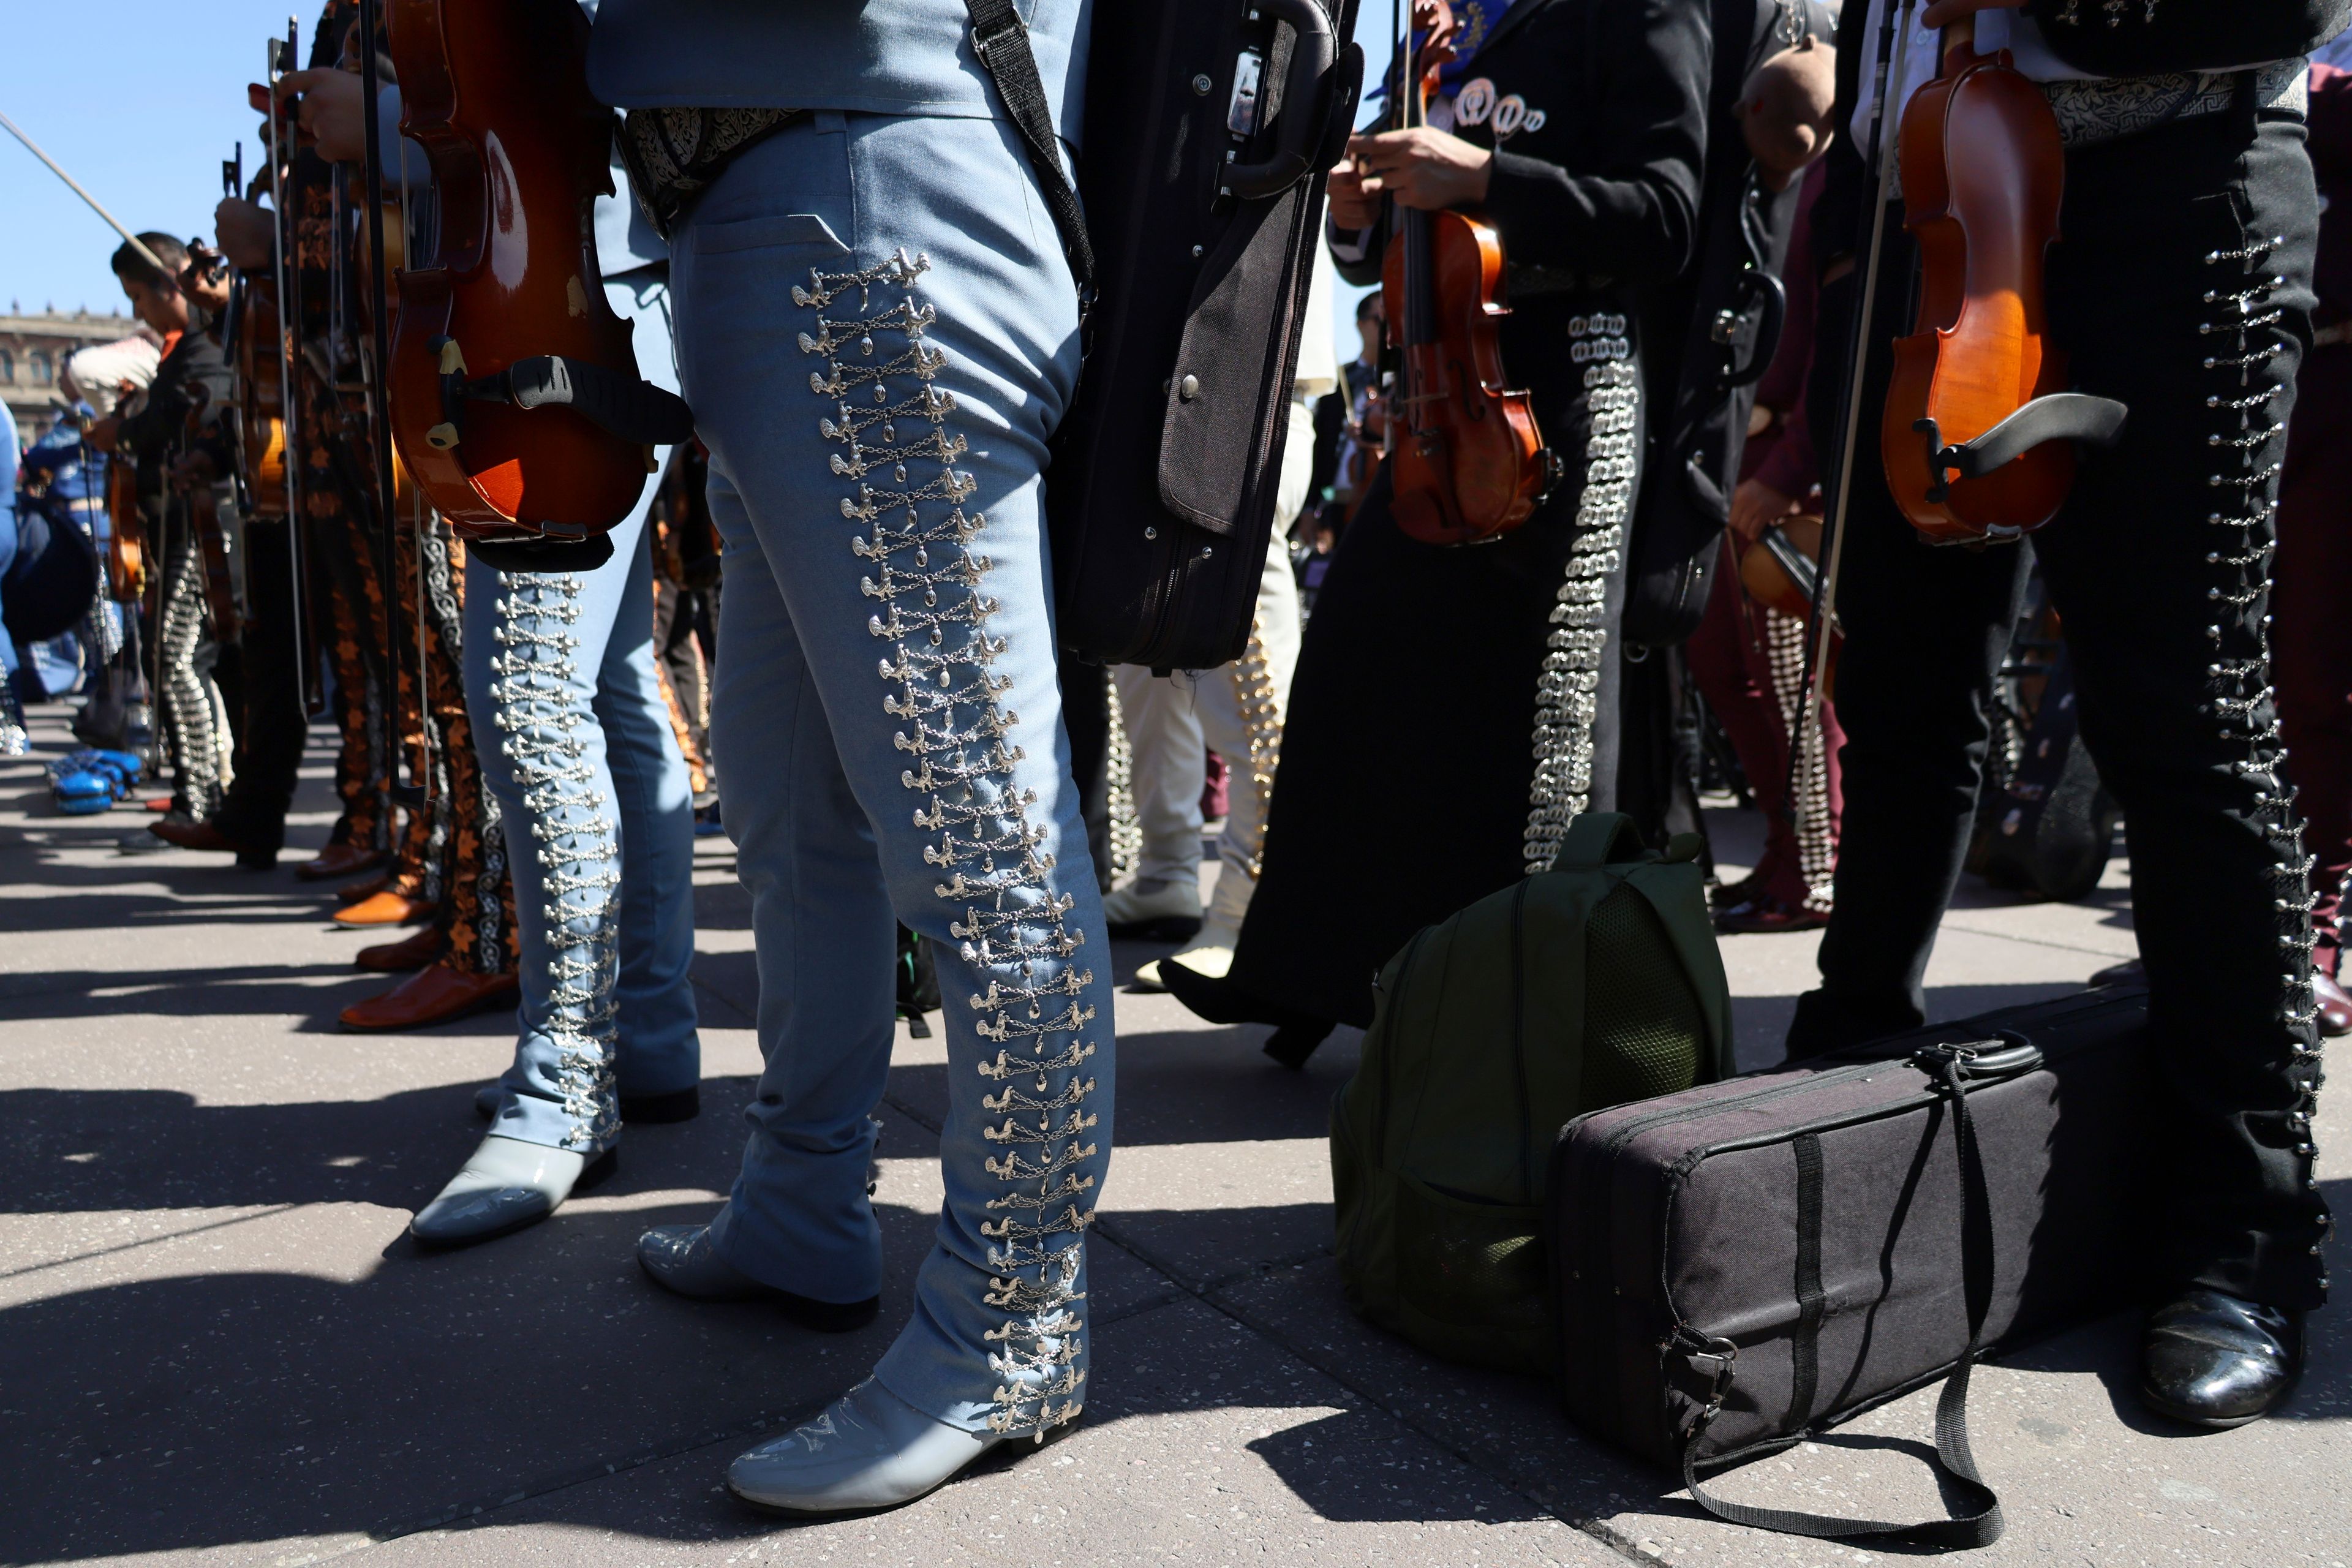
[(1174, 720)]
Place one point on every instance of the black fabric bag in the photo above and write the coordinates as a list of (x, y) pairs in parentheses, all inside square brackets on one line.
[(53, 582), (1708, 336), (1746, 1263), (2141, 37), (1208, 128)]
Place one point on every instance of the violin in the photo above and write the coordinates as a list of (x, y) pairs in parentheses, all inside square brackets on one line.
[(255, 345), (1975, 437), (126, 533), (516, 401), (1467, 460)]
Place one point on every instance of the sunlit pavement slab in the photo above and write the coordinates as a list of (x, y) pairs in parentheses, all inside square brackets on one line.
[(216, 1347)]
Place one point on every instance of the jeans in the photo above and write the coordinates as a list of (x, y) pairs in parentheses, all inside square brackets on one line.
[(879, 333), (575, 742)]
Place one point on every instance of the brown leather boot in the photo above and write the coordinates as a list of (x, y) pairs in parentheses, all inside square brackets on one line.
[(383, 909), (434, 995), (339, 860), (409, 953)]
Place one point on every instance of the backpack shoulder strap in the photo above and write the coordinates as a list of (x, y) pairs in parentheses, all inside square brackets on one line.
[(1598, 838), (1001, 40)]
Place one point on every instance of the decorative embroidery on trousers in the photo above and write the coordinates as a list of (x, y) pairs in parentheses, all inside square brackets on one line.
[(2243, 338), (188, 697), (576, 843), (1118, 788), (1262, 716), (1567, 691), (1784, 646), (891, 423)]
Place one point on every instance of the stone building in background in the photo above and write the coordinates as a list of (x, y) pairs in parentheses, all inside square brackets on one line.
[(35, 347)]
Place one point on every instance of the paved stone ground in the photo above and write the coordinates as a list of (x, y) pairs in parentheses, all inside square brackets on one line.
[(216, 1347)]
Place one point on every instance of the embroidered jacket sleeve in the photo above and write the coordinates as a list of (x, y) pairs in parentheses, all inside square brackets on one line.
[(1628, 206)]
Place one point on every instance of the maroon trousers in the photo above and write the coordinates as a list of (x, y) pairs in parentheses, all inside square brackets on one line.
[(2311, 632), (1731, 660)]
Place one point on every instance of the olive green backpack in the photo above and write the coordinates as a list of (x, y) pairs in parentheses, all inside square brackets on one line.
[(1592, 984)]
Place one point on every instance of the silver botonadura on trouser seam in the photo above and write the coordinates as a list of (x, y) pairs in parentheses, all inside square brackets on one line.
[(1567, 691), (571, 821), (891, 424)]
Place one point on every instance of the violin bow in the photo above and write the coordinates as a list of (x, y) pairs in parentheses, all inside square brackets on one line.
[(1887, 82), (136, 244)]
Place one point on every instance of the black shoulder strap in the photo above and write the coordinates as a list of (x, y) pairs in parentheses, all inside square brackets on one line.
[(1980, 1525), (1002, 41)]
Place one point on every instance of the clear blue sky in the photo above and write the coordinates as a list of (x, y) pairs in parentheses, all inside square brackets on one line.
[(141, 100)]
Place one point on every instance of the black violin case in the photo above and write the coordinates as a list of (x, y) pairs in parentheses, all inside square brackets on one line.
[(1209, 125), (1744, 1264)]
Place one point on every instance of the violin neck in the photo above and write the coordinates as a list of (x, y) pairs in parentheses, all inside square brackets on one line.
[(1961, 33)]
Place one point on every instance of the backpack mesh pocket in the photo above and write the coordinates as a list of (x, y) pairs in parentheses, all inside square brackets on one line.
[(1644, 1031)]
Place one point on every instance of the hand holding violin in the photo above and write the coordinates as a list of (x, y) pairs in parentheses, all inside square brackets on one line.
[(333, 114), (1755, 507), (246, 232), (106, 433), (1422, 168)]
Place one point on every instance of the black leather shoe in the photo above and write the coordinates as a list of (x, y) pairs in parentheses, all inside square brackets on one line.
[(2214, 1361)]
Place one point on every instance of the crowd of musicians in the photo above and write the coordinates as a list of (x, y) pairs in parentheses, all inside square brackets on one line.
[(530, 743)]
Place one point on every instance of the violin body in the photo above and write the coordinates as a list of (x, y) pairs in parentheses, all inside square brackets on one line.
[(1983, 173), (1465, 460), (261, 401), (496, 91), (126, 533)]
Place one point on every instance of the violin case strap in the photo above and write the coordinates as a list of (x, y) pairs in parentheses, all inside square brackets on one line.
[(1002, 41)]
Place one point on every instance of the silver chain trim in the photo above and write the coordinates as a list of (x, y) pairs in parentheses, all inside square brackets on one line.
[(1567, 691), (1011, 927), (539, 722), (2244, 702)]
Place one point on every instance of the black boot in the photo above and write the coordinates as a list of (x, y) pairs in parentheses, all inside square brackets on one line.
[(2215, 1360), (1221, 1001)]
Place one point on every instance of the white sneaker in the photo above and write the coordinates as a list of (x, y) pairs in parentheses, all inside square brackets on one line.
[(1154, 909)]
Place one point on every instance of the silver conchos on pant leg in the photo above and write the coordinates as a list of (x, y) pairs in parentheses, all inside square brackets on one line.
[(539, 721), (891, 424), (1568, 692)]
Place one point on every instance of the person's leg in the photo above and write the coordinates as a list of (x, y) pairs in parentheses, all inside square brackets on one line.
[(348, 603), (1241, 710), (652, 796), (2186, 298), (1736, 682), (2311, 592), (1925, 632), (937, 324), (1166, 763), (253, 814), (186, 705)]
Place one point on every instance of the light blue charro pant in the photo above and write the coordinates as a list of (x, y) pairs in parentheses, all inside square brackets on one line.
[(878, 332), (575, 741)]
